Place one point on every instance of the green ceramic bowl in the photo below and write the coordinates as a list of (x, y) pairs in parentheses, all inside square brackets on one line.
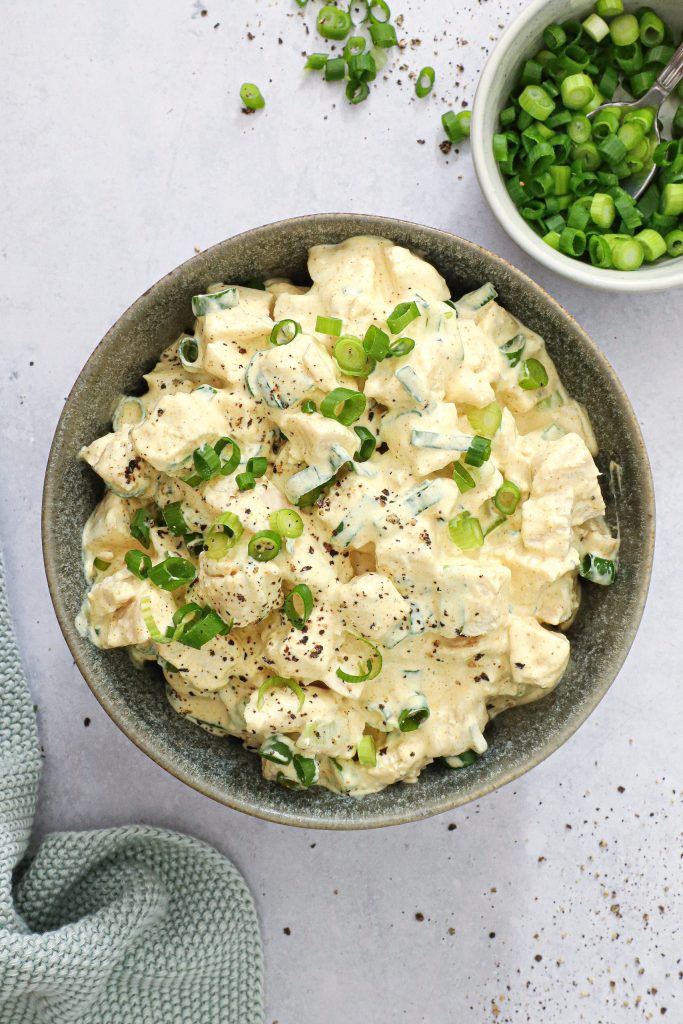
[(519, 739)]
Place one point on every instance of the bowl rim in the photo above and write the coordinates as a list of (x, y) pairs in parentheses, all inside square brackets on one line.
[(652, 279), (295, 817)]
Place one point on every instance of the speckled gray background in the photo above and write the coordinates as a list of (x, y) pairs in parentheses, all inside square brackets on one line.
[(125, 149)]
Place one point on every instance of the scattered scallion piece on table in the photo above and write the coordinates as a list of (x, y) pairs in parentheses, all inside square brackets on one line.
[(251, 97)]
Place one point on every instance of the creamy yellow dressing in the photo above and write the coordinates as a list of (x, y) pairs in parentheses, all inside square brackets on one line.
[(463, 634)]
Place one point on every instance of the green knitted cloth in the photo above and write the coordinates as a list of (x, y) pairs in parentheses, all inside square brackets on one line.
[(124, 926)]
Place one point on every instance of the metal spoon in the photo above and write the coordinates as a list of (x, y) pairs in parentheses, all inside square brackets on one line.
[(666, 82)]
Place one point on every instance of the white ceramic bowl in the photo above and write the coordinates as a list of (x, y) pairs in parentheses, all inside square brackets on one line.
[(521, 40)]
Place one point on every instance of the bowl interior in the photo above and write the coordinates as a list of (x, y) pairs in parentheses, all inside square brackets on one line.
[(522, 39), (600, 636)]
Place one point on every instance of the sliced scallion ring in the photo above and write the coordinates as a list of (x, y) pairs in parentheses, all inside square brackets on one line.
[(367, 754), (357, 91), (231, 464), (486, 421), (202, 628), (463, 479), (276, 750), (402, 315), (465, 531), (174, 519), (251, 97), (352, 357), (333, 22), (373, 667), (379, 10), (146, 611), (425, 82), (138, 563), (533, 376), (140, 525), (309, 406), (478, 452), (257, 466), (343, 405), (512, 349), (264, 545), (368, 443), (214, 302), (328, 325), (275, 683), (287, 522), (223, 535), (507, 498), (401, 348), (207, 464), (188, 353), (245, 481), (172, 573), (101, 565), (284, 331), (376, 343), (299, 598), (307, 770), (412, 716), (598, 570)]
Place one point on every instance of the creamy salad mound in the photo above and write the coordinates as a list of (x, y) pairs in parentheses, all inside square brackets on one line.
[(348, 520)]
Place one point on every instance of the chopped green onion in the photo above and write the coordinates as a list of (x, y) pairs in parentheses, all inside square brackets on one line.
[(576, 91), (214, 302), (533, 376), (372, 667), (672, 200), (401, 347), (597, 570), (465, 531), (146, 611), (512, 349), (352, 357), (462, 478), (383, 36), (425, 82), (674, 243), (139, 527), (412, 717), (202, 627), (466, 758), (316, 61), (287, 522), (600, 252), (362, 68), (251, 97), (354, 46), (602, 210), (500, 148), (328, 325), (537, 102), (507, 498), (596, 27), (174, 519), (367, 754), (138, 563), (487, 420), (207, 463), (335, 69), (279, 682), (403, 315), (284, 331), (264, 545), (188, 352), (307, 770), (245, 481), (579, 128), (381, 6), (554, 37), (627, 254), (609, 8), (343, 405), (298, 618), (101, 565), (223, 535), (368, 443), (357, 91), (651, 29), (229, 466), (457, 126), (172, 573), (376, 343), (478, 452), (624, 30), (309, 406), (653, 244), (333, 22), (276, 750), (572, 242)]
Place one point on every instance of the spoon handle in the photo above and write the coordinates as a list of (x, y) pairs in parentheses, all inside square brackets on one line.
[(669, 78)]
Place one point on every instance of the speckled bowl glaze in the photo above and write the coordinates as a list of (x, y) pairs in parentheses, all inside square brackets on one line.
[(519, 739)]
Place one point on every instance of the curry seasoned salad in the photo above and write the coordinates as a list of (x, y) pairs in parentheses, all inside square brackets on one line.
[(348, 520)]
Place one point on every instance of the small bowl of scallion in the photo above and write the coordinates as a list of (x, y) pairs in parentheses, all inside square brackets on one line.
[(567, 124)]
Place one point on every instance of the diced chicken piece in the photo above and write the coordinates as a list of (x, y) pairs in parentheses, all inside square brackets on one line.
[(568, 463), (397, 428), (240, 589), (546, 522), (372, 607), (115, 460), (283, 374), (538, 656), (306, 655), (113, 610), (107, 531), (471, 599), (311, 438), (471, 382), (594, 536), (247, 322), (280, 713), (253, 507)]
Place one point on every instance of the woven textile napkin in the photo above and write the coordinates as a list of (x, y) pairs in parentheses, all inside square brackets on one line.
[(122, 926)]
